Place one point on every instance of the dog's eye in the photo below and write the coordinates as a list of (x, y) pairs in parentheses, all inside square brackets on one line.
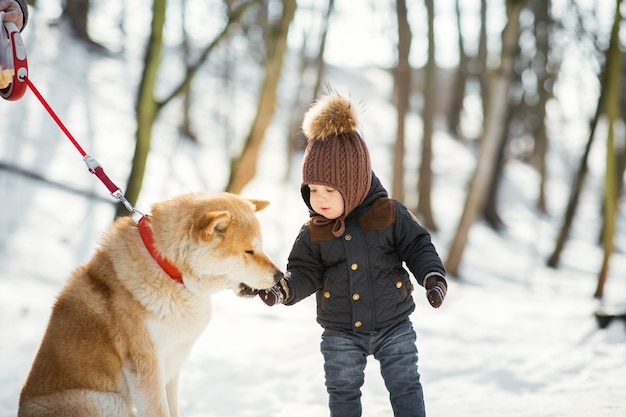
[(249, 252)]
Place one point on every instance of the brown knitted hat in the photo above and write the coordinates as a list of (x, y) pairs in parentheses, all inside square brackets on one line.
[(336, 155)]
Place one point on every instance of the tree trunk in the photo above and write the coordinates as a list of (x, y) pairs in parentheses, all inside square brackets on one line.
[(483, 75), (460, 80), (146, 105), (243, 168), (579, 179), (610, 183), (320, 64), (403, 94), (77, 12), (185, 123), (424, 206), (491, 215), (542, 27), (295, 138), (494, 126)]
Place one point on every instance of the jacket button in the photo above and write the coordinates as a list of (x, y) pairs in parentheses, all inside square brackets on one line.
[(354, 267), (398, 284), (355, 297), (326, 294), (348, 237), (357, 324)]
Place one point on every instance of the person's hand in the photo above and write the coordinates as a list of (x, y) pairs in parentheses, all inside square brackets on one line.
[(436, 288), (275, 295), (12, 13)]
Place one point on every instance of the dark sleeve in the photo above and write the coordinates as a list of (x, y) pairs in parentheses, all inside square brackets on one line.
[(304, 268), (24, 8), (415, 246)]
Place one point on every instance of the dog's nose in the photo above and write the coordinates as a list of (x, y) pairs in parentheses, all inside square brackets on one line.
[(278, 275)]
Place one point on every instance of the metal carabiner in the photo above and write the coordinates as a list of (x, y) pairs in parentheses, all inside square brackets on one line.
[(135, 214)]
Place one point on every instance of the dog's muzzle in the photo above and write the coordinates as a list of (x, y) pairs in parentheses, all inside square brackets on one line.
[(247, 291)]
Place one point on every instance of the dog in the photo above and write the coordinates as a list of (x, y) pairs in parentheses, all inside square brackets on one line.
[(126, 320)]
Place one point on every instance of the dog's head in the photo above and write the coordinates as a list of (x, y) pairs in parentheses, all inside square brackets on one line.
[(215, 241)]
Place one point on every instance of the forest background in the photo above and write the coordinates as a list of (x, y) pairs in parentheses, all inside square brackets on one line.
[(503, 77), (218, 88)]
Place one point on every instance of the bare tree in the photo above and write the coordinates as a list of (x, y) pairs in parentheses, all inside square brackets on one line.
[(185, 122), (295, 138), (579, 179), (77, 13), (148, 107), (402, 87), (542, 35), (243, 168), (610, 179), (424, 205), (483, 74), (495, 123), (319, 60), (490, 212), (460, 81)]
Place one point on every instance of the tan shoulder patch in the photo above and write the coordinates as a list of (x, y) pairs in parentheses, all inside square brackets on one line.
[(381, 214), (319, 233)]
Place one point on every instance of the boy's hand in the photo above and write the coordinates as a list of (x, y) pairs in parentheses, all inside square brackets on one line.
[(275, 295), (436, 288)]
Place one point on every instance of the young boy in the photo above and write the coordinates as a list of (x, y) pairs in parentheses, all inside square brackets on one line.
[(351, 253)]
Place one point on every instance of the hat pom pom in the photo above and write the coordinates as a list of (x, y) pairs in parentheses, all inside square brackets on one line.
[(332, 115)]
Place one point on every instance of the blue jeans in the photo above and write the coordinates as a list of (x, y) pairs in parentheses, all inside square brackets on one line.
[(345, 356)]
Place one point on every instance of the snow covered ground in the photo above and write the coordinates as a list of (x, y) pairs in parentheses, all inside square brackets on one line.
[(513, 337)]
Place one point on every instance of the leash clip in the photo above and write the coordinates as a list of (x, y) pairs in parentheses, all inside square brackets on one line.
[(91, 163), (95, 168), (135, 214)]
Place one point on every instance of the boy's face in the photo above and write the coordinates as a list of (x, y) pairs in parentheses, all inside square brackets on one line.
[(326, 201)]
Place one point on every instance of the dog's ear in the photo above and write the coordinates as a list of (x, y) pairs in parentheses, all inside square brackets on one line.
[(259, 204), (212, 223)]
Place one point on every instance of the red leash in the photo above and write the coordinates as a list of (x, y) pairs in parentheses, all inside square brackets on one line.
[(95, 168), (54, 116), (16, 90), (93, 165)]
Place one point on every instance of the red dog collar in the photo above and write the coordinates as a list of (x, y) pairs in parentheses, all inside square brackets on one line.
[(148, 240)]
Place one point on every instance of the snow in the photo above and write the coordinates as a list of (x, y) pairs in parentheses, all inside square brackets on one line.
[(513, 337)]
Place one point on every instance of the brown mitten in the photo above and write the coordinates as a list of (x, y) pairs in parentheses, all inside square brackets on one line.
[(436, 288), (275, 295)]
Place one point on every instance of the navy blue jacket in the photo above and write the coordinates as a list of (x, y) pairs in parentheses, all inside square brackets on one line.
[(359, 278)]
